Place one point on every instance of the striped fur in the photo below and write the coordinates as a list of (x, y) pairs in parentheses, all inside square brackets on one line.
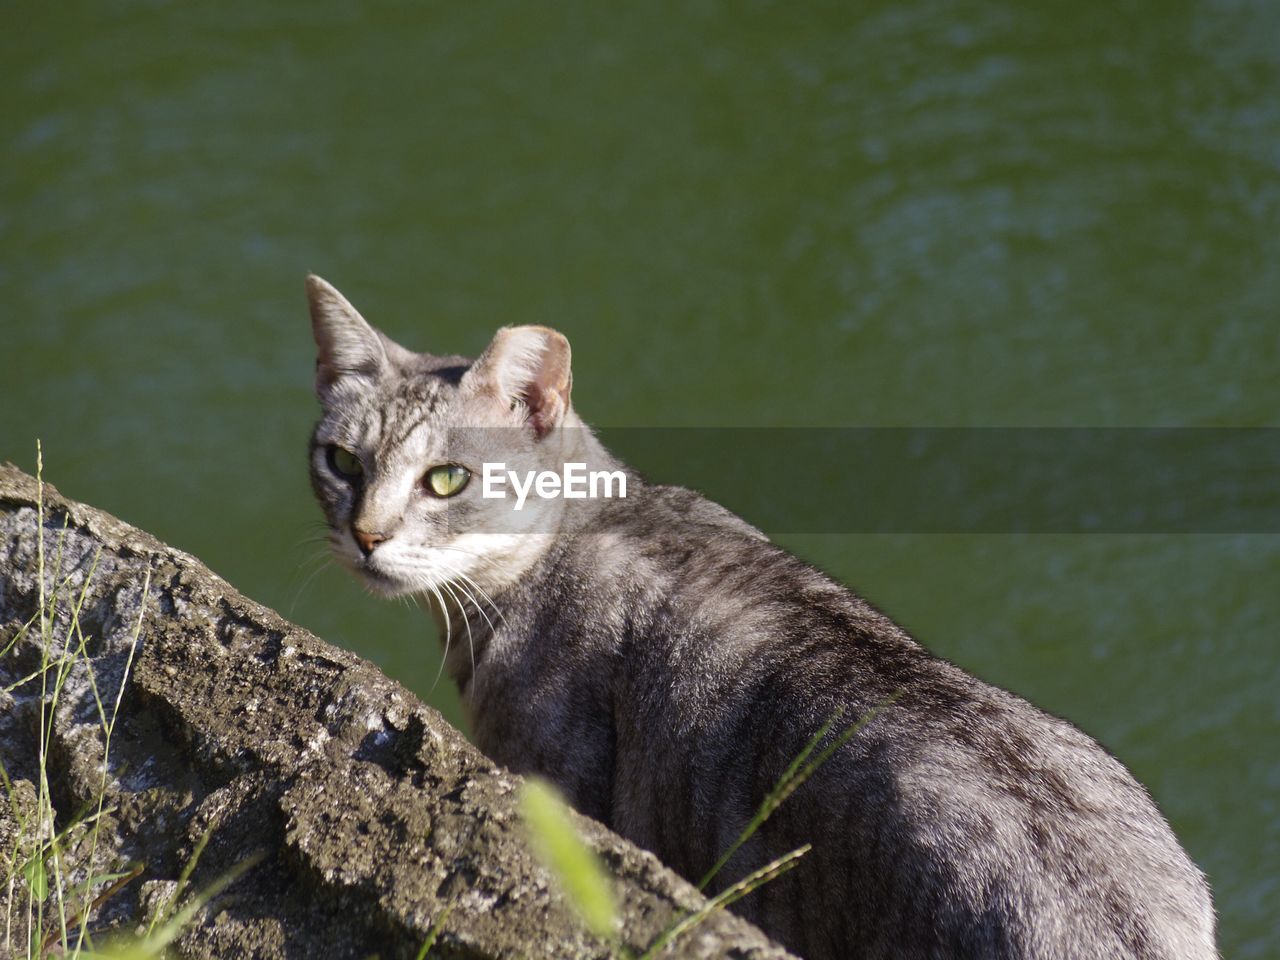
[(663, 662)]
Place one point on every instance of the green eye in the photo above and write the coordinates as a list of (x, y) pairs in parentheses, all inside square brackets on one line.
[(447, 479), (345, 463)]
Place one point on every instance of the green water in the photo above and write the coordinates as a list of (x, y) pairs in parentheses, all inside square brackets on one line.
[(745, 214)]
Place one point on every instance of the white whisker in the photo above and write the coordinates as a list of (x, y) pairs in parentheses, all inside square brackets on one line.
[(447, 638), (456, 575), (461, 584), (448, 623), (325, 560), (485, 596), (471, 643)]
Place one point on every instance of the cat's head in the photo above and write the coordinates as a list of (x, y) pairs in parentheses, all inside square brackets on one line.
[(397, 457)]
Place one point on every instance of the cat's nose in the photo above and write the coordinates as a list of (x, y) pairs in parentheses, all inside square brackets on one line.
[(367, 541)]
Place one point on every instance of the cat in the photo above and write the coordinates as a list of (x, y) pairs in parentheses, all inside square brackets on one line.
[(662, 662)]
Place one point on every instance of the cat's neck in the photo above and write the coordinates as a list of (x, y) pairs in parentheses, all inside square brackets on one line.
[(572, 443), (468, 615)]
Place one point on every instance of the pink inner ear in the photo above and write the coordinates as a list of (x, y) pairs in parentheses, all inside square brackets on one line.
[(547, 394), (526, 366), (546, 407)]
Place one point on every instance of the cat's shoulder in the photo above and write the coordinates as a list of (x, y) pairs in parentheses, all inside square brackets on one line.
[(662, 511)]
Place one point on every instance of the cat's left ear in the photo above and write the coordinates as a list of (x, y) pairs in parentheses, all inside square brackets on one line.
[(345, 343), (527, 369)]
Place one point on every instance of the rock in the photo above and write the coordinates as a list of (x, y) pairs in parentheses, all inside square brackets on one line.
[(359, 813)]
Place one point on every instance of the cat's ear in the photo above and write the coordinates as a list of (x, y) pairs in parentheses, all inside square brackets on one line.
[(346, 345), (527, 370)]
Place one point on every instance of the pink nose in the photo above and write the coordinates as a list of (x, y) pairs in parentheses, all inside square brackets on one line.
[(367, 541)]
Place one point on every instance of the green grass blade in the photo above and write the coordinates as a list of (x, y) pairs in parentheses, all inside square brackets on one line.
[(555, 841), (434, 932), (37, 877), (797, 772), (753, 881), (166, 910), (845, 736), (771, 801), (153, 946)]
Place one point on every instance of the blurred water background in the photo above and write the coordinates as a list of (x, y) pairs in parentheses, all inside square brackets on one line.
[(742, 214)]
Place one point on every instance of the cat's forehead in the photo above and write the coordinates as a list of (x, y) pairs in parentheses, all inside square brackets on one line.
[(412, 414), (397, 416), (406, 400)]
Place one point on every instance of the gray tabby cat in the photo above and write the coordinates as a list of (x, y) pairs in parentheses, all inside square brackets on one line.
[(663, 662)]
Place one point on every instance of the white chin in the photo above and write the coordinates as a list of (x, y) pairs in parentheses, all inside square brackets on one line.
[(381, 583), (386, 586)]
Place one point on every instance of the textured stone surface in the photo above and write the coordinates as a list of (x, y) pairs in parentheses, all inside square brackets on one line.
[(369, 812)]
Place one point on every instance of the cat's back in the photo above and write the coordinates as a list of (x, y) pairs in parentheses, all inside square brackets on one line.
[(1012, 832)]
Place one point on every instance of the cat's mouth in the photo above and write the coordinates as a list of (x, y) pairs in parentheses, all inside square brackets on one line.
[(400, 570), (380, 581)]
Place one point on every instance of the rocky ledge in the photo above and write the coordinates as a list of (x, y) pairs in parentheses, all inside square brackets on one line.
[(359, 813)]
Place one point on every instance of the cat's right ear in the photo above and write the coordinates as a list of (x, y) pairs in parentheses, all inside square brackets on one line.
[(345, 343), (527, 370)]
